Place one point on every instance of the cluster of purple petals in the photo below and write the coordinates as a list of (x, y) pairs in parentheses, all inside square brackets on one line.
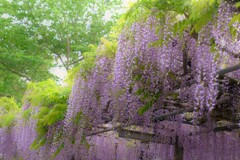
[(141, 54), (90, 99), (158, 67), (108, 147), (7, 147), (24, 135), (150, 58), (204, 71), (16, 141), (227, 45), (201, 143), (91, 95)]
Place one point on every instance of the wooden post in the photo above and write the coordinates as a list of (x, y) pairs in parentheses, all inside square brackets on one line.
[(141, 155), (178, 150), (149, 137), (116, 148)]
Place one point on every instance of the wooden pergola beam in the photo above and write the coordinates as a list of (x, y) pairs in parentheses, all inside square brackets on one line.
[(228, 128), (149, 137), (146, 137), (167, 115), (105, 129)]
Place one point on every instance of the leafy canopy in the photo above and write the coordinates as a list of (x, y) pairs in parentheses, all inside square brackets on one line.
[(37, 35)]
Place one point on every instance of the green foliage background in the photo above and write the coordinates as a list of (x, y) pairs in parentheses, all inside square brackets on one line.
[(37, 35), (9, 109)]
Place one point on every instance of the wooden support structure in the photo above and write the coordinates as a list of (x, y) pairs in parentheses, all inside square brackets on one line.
[(105, 129), (150, 137), (157, 138), (178, 150), (146, 137), (116, 148), (228, 128), (101, 131), (163, 139), (167, 115)]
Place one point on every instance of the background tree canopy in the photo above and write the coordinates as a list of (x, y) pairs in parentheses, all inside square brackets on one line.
[(37, 35)]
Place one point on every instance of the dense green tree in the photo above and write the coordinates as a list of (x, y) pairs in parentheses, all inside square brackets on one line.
[(63, 28), (39, 34), (21, 59)]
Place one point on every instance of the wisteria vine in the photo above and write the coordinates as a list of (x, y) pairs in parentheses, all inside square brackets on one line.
[(155, 71)]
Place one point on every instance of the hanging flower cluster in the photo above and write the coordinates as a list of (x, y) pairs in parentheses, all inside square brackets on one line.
[(153, 71)]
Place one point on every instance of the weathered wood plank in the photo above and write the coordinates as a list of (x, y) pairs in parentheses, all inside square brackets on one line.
[(167, 115), (228, 128), (146, 137)]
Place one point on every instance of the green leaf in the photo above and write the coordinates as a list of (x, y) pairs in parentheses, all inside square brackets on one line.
[(235, 18), (233, 30), (137, 77), (237, 5), (38, 142), (145, 108), (58, 150), (139, 91), (77, 119)]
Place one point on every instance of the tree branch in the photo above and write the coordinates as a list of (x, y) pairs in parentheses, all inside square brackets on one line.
[(15, 72), (58, 55), (185, 60), (181, 105), (228, 70), (68, 53), (64, 64), (74, 62), (167, 115)]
